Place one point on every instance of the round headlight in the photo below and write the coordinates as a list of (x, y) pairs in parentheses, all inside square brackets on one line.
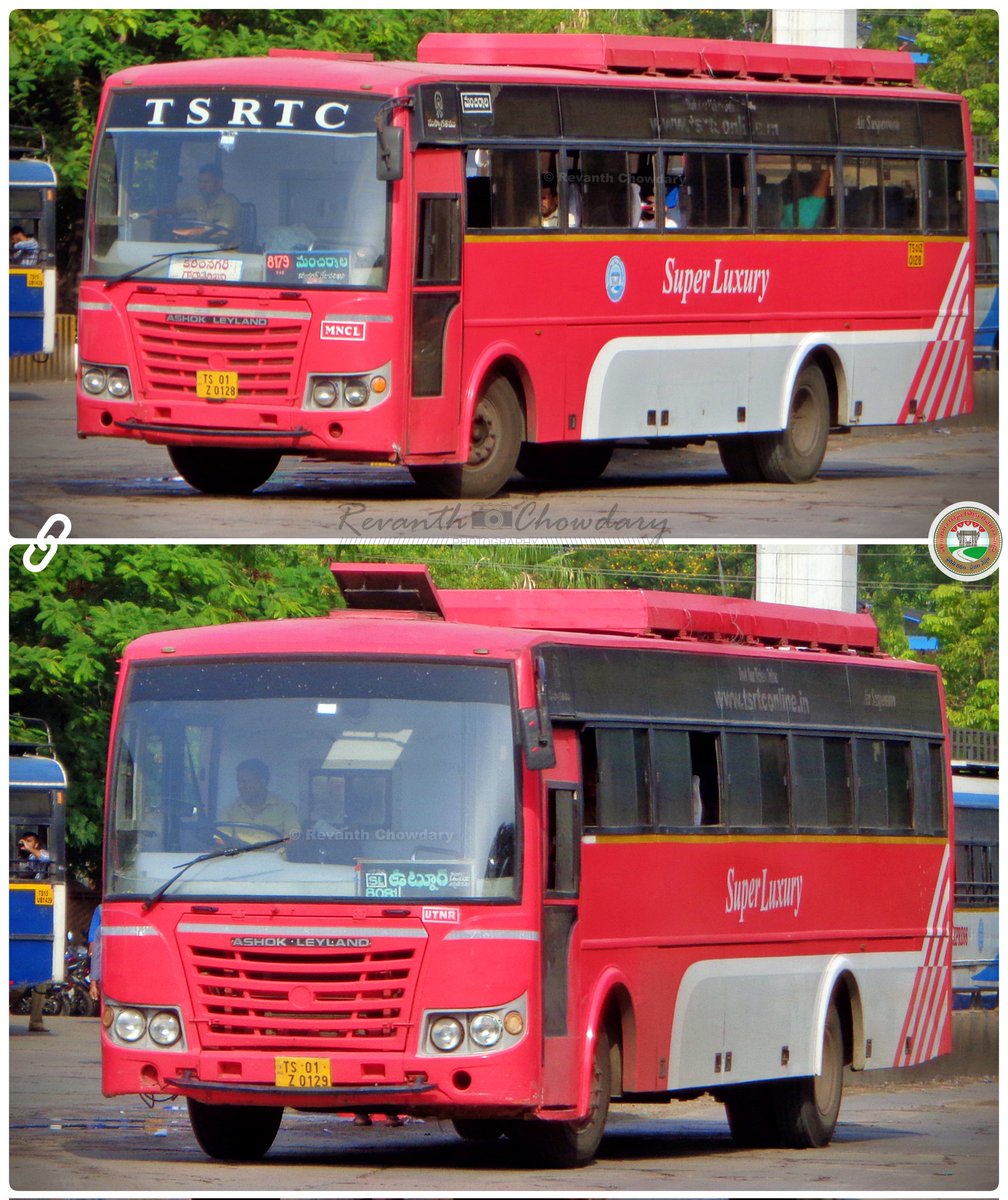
[(324, 393), (164, 1028), (93, 380), (486, 1029), (356, 393), (129, 1025), (118, 384), (447, 1033)]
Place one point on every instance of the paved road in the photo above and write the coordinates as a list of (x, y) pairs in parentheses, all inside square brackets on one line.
[(65, 1137), (874, 484)]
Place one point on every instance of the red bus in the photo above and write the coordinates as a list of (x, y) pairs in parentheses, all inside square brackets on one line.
[(520, 250), (505, 856)]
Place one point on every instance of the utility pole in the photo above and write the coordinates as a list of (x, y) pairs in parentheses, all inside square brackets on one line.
[(815, 26), (811, 574)]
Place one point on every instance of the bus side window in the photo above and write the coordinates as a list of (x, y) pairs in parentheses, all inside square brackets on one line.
[(944, 195), (862, 209), (606, 190), (615, 773), (514, 188)]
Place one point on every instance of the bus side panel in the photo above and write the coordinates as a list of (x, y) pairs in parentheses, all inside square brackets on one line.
[(32, 934), (733, 942)]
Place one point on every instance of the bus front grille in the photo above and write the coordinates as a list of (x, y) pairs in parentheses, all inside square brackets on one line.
[(288, 999), (263, 357)]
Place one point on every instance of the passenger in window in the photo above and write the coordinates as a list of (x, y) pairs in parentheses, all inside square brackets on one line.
[(697, 801), (811, 204), (549, 204)]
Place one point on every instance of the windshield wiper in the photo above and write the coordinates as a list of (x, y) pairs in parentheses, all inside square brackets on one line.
[(160, 258), (230, 852)]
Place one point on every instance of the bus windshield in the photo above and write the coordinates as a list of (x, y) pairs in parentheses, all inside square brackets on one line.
[(371, 781), (268, 190)]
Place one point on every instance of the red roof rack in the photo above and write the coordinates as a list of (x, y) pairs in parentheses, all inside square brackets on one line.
[(699, 57), (675, 615)]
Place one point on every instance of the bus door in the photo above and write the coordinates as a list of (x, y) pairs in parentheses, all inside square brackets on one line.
[(562, 826), (436, 319)]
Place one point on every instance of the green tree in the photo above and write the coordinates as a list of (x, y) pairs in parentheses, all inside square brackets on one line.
[(965, 622)]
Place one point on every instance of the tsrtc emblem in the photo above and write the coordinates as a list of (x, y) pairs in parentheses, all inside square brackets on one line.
[(965, 541)]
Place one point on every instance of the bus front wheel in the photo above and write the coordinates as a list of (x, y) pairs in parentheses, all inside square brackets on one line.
[(220, 472), (573, 1143), (234, 1132), (494, 442), (795, 454)]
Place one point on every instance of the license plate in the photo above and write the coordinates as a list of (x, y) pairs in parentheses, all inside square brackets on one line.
[(303, 1072), (217, 385), (44, 895), (35, 279)]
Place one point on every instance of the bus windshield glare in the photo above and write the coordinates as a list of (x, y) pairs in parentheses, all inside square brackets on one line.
[(283, 188), (385, 781)]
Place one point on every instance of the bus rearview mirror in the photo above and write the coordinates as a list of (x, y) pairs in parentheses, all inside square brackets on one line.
[(390, 152)]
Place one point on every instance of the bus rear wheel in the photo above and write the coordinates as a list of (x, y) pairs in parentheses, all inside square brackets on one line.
[(494, 442), (572, 1143), (807, 1109), (234, 1132), (220, 472), (578, 464), (795, 454), (752, 1116)]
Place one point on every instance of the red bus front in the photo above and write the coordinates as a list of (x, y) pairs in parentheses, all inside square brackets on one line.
[(237, 301), (316, 892)]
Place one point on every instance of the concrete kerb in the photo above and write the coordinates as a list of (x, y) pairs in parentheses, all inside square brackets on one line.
[(974, 1055)]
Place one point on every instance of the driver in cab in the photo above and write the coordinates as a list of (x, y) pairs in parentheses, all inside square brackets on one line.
[(212, 215), (256, 816)]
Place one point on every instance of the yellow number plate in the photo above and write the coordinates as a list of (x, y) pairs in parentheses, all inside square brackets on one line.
[(44, 895), (915, 254), (35, 279), (217, 385), (303, 1072)]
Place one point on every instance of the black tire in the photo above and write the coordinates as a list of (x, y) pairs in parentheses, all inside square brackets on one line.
[(233, 1132), (220, 472), (577, 464), (807, 1109), (476, 1130), (496, 438), (752, 1115), (738, 457), (56, 1003), (795, 454), (572, 1143)]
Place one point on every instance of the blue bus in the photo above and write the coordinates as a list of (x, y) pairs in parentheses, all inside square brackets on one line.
[(985, 335), (975, 914), (32, 229), (37, 852)]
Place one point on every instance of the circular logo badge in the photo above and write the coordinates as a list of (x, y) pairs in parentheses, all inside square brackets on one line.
[(965, 541), (615, 279)]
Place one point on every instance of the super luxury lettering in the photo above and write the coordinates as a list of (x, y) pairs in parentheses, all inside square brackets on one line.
[(763, 893), (718, 280)]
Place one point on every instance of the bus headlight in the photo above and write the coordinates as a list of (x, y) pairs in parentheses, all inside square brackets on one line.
[(118, 384), (164, 1029), (324, 393), (447, 1033), (486, 1029), (130, 1025), (356, 393), (93, 381)]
